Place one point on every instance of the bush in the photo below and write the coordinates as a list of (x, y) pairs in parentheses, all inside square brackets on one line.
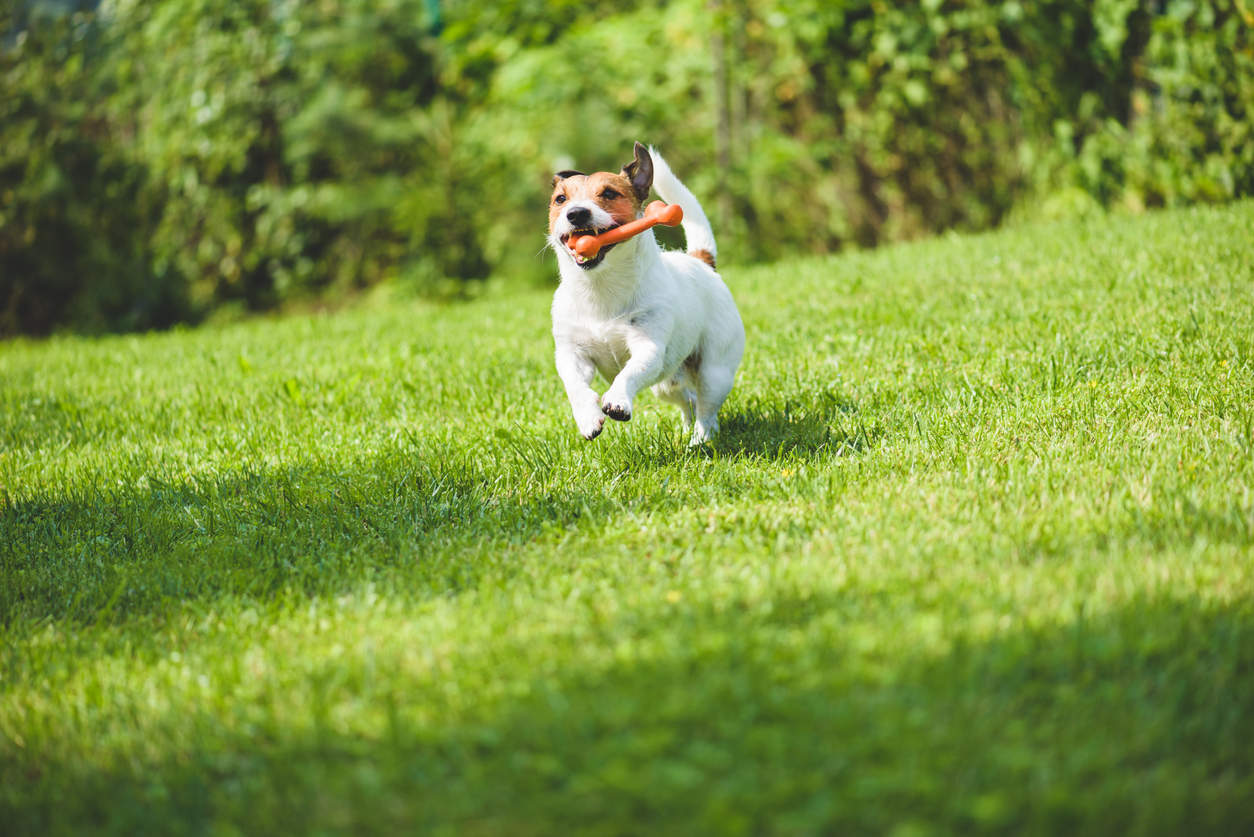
[(163, 158), (296, 147), (1196, 131), (73, 209)]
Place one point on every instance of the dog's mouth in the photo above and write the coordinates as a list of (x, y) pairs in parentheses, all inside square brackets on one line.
[(588, 264)]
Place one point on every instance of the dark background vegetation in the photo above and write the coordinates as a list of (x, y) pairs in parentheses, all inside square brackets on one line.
[(165, 159)]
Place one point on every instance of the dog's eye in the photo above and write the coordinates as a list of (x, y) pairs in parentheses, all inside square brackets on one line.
[(609, 194), (560, 199)]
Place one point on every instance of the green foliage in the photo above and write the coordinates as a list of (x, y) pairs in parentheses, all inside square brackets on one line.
[(851, 123), (298, 147), (972, 555), (1186, 135), (73, 209), (1198, 125), (252, 153)]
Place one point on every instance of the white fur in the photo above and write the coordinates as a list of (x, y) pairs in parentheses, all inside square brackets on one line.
[(639, 315), (697, 232)]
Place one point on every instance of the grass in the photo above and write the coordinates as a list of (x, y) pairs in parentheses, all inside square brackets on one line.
[(973, 554)]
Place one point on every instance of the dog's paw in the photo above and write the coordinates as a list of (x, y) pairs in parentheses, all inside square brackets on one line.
[(703, 433), (590, 427), (617, 409)]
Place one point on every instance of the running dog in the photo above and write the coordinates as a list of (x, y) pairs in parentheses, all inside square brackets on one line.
[(639, 315)]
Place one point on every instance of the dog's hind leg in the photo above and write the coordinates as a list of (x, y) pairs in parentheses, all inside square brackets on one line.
[(714, 384), (678, 391), (688, 408)]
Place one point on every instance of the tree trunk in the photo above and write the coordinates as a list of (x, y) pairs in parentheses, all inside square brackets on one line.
[(722, 117)]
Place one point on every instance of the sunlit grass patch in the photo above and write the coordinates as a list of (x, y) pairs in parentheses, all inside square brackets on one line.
[(972, 554)]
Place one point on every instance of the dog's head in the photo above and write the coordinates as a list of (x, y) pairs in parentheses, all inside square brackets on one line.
[(590, 204)]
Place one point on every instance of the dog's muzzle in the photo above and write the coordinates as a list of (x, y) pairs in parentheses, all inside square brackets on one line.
[(587, 264)]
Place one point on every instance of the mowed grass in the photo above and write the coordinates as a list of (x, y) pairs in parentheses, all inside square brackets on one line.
[(973, 554)]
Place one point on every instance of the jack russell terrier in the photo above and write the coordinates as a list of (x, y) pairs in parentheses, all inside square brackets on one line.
[(640, 316)]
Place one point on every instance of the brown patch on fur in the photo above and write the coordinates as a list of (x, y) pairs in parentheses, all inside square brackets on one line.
[(705, 256), (620, 201)]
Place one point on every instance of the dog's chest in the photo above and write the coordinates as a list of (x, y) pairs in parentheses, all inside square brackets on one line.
[(604, 332), (608, 346)]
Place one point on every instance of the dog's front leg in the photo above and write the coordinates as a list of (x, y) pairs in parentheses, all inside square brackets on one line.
[(576, 370), (642, 369)]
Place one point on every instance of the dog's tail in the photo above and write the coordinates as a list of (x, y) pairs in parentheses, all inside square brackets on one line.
[(697, 232)]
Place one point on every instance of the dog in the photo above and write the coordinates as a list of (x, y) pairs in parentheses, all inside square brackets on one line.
[(639, 315)]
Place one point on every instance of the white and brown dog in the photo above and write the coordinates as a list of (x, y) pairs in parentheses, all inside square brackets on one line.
[(638, 315)]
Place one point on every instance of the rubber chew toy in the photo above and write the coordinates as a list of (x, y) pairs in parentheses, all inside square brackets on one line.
[(655, 213)]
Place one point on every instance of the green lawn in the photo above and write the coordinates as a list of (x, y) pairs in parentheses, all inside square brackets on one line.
[(974, 553)]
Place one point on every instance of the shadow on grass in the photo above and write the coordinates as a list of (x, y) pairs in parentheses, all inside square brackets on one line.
[(1136, 722), (811, 428), (113, 554), (428, 525), (440, 519)]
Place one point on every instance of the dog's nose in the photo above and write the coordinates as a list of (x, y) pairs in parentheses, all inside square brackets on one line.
[(578, 215)]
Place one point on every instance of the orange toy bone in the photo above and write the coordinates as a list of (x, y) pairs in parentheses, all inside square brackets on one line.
[(655, 213)]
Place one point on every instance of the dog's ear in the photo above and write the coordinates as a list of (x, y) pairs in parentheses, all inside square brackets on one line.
[(562, 175), (640, 172)]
